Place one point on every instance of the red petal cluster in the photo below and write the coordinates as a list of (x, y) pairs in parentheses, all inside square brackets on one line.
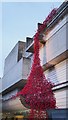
[(38, 90)]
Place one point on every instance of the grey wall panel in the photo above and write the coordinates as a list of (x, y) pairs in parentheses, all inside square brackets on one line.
[(11, 59), (57, 74), (61, 98), (56, 41), (13, 75)]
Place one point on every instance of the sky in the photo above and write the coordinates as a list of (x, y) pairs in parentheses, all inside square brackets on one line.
[(18, 20)]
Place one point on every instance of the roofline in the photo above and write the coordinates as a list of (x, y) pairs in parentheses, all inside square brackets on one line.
[(61, 12)]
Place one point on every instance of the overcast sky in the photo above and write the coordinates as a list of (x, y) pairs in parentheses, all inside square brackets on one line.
[(19, 20)]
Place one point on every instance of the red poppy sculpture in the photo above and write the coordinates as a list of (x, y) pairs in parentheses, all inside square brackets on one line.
[(38, 92)]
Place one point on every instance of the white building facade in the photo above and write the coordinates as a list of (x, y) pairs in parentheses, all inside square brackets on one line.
[(54, 55), (54, 60)]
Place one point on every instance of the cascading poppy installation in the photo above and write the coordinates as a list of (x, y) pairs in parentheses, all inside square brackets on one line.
[(38, 92)]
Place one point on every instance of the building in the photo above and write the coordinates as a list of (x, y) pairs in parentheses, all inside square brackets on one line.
[(54, 60), (16, 70), (0, 98), (54, 54)]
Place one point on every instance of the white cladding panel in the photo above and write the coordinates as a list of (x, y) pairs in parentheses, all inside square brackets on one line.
[(19, 71), (42, 54), (67, 98), (13, 75), (61, 98), (56, 42), (57, 74), (56, 28), (26, 67), (11, 59)]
